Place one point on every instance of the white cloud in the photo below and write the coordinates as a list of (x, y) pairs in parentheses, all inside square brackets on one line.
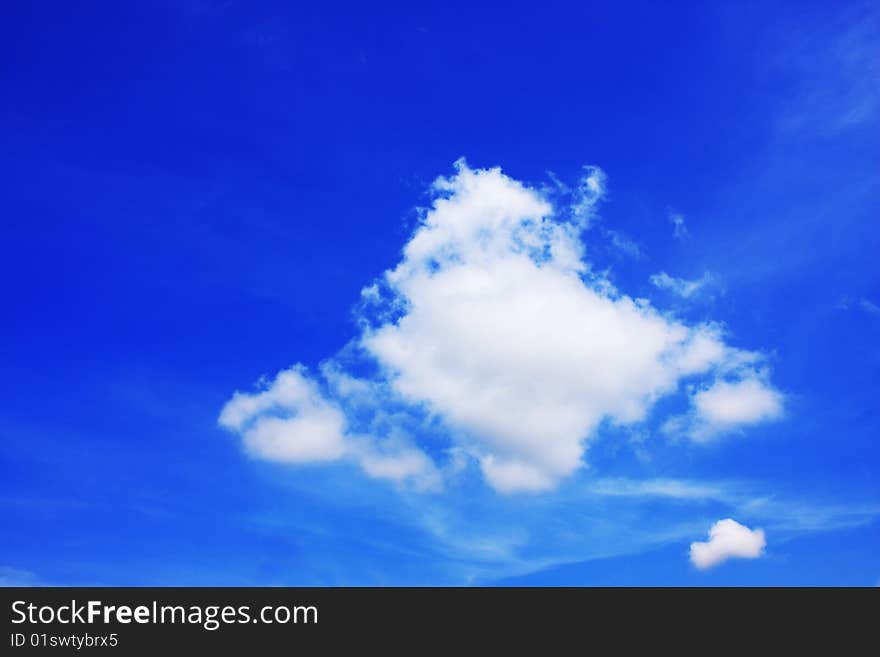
[(727, 540), (862, 303), (726, 406), (502, 337), (679, 227), (291, 421), (680, 286), (834, 73), (495, 325), (743, 402)]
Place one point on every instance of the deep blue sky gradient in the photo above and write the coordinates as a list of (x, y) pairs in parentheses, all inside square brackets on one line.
[(195, 193)]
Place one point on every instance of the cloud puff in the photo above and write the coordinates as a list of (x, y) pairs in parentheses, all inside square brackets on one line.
[(494, 325), (725, 406), (869, 306), (680, 286), (291, 421), (727, 540)]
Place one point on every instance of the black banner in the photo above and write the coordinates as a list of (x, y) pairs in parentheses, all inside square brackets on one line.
[(127, 621)]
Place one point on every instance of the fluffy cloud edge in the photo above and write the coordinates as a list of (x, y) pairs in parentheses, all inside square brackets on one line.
[(728, 405), (681, 287), (728, 539), (290, 420), (494, 322)]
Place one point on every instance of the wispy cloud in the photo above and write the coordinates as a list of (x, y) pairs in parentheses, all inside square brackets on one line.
[(622, 243), (833, 74), (728, 539), (679, 227), (680, 286), (17, 577), (292, 422), (727, 406), (613, 517), (670, 488), (869, 306)]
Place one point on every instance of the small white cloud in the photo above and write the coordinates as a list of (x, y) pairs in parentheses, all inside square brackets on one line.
[(679, 227), (680, 286), (727, 540), (291, 421), (12, 577), (728, 405), (398, 461), (743, 402)]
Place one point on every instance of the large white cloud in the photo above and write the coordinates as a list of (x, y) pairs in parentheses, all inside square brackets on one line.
[(727, 540), (494, 322)]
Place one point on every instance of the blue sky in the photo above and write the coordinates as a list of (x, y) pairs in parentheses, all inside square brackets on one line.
[(647, 300)]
